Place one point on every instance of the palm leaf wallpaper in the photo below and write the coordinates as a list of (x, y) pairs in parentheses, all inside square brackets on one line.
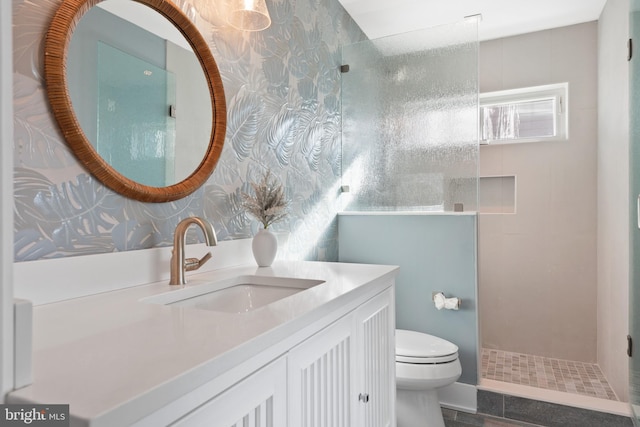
[(282, 87)]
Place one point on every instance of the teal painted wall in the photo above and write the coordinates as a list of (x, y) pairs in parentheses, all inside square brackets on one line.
[(435, 253)]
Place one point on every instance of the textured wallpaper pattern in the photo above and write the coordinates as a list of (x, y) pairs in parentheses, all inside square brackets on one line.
[(283, 99)]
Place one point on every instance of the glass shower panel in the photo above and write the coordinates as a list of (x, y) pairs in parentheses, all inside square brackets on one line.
[(634, 214), (410, 121), (136, 134)]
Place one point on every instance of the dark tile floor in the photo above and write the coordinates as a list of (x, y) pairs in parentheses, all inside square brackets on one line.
[(498, 410), (461, 419)]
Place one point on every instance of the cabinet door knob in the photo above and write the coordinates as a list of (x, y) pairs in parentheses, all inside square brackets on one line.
[(363, 397)]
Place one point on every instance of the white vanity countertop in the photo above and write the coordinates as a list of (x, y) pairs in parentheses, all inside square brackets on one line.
[(113, 358)]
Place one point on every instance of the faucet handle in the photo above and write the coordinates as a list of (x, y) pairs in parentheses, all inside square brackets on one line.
[(191, 264), (204, 259)]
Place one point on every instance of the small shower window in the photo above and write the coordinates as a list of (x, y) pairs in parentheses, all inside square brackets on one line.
[(524, 115)]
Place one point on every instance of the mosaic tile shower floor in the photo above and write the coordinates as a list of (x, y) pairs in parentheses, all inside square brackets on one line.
[(542, 372)]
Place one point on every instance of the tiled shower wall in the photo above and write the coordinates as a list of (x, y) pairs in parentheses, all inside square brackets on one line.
[(538, 264), (282, 87)]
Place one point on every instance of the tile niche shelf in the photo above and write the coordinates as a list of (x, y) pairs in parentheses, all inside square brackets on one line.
[(497, 194)]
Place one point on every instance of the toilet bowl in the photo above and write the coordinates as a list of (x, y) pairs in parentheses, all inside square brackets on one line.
[(424, 364)]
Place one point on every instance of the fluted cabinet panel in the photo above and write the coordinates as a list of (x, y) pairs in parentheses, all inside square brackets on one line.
[(320, 372), (258, 401), (345, 375), (376, 392), (260, 416)]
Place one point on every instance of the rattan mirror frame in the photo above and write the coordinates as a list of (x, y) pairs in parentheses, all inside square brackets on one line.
[(56, 49)]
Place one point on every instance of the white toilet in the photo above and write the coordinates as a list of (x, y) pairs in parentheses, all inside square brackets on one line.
[(424, 363)]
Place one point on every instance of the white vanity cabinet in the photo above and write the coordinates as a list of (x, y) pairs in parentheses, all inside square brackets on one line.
[(322, 357), (345, 374), (342, 376)]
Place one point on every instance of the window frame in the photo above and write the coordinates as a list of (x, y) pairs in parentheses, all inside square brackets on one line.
[(558, 92)]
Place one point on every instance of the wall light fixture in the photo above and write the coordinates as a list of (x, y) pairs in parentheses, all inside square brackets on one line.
[(248, 15)]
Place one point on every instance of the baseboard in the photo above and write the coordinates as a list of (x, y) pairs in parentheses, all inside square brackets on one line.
[(460, 397)]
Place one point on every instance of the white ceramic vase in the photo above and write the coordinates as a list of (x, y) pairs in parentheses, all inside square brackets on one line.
[(265, 247)]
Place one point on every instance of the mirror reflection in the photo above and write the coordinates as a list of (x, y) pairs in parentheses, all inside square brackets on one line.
[(145, 107)]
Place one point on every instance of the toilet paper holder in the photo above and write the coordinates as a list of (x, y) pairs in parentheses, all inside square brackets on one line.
[(441, 301)]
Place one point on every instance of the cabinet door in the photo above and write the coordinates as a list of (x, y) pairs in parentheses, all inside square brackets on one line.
[(375, 352), (257, 401), (320, 375)]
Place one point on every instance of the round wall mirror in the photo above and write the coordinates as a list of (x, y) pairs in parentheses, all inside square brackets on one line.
[(137, 95)]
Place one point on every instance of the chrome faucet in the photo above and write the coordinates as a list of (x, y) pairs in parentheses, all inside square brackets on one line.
[(178, 263)]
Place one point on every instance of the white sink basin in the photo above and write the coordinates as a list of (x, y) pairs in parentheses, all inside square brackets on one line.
[(237, 295)]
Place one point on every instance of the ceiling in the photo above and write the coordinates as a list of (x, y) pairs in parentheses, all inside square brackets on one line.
[(500, 18)]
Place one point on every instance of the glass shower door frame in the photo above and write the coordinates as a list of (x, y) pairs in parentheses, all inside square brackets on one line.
[(634, 216)]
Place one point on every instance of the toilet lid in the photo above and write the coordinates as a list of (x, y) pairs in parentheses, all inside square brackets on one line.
[(412, 344)]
